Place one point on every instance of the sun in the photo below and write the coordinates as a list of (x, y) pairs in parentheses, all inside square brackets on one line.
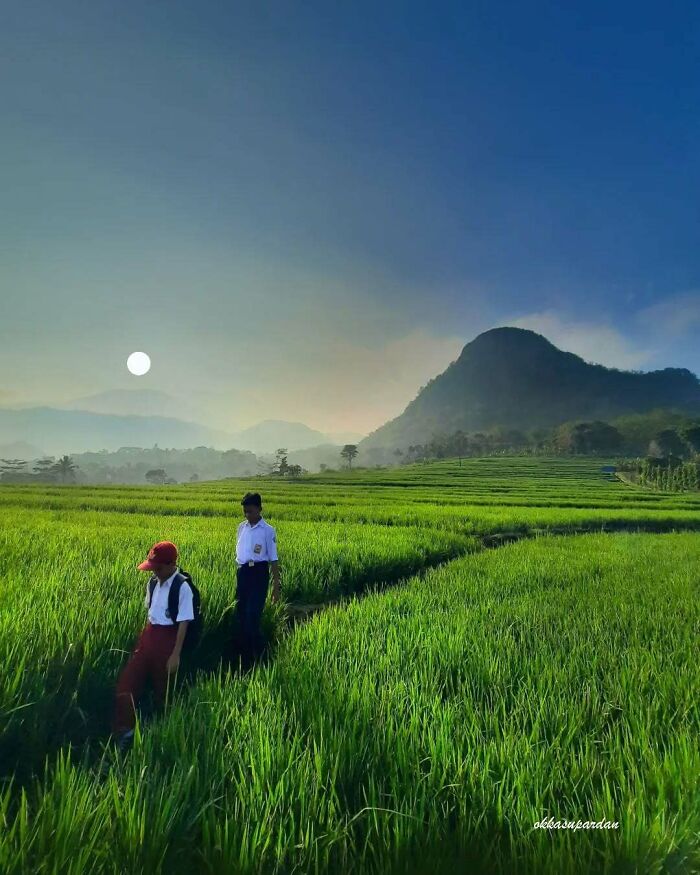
[(138, 363)]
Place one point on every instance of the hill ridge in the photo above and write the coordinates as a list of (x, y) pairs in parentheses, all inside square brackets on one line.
[(515, 378)]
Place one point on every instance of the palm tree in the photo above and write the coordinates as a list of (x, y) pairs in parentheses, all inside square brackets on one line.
[(45, 468), (65, 468), (157, 476)]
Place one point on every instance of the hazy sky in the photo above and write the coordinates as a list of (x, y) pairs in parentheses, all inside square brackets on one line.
[(303, 211)]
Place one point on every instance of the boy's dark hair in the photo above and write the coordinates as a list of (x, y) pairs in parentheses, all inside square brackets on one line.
[(252, 498)]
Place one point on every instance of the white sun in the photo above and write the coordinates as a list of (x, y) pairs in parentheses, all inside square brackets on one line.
[(138, 363)]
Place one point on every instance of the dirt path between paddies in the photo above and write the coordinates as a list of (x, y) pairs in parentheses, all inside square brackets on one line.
[(295, 612)]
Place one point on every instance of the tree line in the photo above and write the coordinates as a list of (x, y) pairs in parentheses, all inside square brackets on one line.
[(655, 454), (673, 461), (46, 470)]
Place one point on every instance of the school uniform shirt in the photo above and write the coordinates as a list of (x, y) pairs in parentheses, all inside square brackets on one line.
[(159, 603), (256, 543)]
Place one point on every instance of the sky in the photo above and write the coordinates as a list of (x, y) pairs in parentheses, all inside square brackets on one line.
[(304, 211)]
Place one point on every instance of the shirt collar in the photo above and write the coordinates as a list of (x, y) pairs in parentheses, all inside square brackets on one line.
[(247, 522), (170, 579)]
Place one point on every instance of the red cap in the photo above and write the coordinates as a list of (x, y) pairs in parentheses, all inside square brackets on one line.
[(162, 553)]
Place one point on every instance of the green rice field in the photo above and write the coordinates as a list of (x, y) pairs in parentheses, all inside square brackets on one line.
[(446, 699)]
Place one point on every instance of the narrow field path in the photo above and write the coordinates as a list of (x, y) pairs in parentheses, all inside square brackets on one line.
[(211, 657), (297, 612)]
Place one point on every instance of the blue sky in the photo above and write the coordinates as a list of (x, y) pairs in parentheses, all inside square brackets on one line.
[(304, 211)]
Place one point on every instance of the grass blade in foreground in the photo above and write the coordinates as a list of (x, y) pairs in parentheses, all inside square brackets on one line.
[(423, 728)]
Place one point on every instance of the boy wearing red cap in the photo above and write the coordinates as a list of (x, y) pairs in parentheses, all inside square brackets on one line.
[(157, 653)]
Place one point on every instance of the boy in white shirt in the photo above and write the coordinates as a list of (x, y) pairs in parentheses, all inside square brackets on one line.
[(256, 553), (157, 653)]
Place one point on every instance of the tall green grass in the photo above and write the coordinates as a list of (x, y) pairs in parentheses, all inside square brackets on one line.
[(73, 603), (423, 729)]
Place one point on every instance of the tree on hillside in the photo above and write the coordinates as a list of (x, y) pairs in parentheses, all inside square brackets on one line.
[(266, 468), (43, 465), (194, 478), (13, 466), (668, 442), (479, 443), (461, 445), (156, 476), (691, 435), (281, 464), (416, 452), (587, 437), (508, 439), (45, 469), (349, 452), (65, 467), (540, 438)]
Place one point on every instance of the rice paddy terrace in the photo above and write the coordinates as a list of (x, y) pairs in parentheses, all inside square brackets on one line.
[(424, 726)]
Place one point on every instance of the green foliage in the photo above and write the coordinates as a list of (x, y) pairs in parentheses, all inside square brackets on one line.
[(588, 437), (669, 475), (349, 452), (517, 379), (424, 727), (420, 729), (668, 442)]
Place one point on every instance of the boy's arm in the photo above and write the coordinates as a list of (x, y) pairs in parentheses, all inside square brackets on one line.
[(274, 562), (174, 658), (186, 611), (275, 579)]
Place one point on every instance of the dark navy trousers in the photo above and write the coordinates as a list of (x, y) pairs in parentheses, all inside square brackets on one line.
[(252, 582)]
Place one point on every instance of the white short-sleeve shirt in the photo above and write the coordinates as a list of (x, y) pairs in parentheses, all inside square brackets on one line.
[(256, 543), (158, 612)]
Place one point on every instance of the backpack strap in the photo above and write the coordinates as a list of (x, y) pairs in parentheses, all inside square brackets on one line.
[(151, 587), (174, 594)]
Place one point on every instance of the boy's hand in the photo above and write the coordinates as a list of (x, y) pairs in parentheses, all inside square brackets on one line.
[(173, 662)]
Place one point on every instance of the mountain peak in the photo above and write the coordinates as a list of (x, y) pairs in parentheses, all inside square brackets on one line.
[(515, 378), (507, 338)]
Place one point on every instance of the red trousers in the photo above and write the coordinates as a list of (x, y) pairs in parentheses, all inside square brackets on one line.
[(147, 662)]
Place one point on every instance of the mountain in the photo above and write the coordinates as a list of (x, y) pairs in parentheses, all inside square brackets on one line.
[(340, 438), (20, 450), (310, 458), (129, 402), (269, 435), (76, 431), (515, 378), (264, 437), (73, 428)]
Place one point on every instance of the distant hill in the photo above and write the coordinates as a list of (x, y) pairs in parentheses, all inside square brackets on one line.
[(271, 434), (516, 378), (340, 438), (311, 458), (69, 430), (129, 402), (77, 431), (20, 450)]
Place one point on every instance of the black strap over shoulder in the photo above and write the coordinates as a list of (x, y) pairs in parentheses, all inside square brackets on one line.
[(194, 627), (151, 587), (173, 594)]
